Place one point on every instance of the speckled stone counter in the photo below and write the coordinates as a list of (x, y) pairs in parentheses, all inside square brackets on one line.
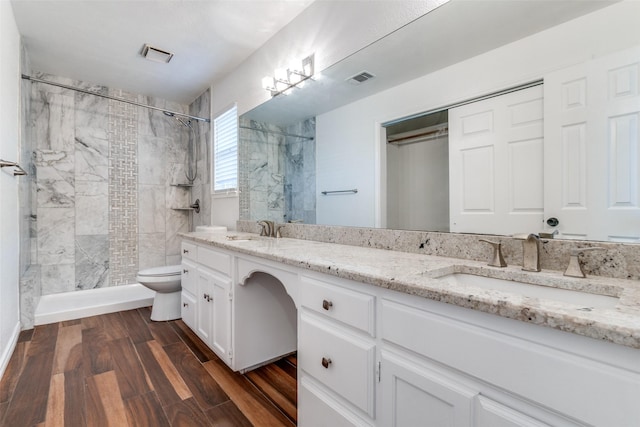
[(422, 275)]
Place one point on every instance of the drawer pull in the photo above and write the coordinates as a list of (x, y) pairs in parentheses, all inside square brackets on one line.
[(326, 304), (185, 251), (326, 362)]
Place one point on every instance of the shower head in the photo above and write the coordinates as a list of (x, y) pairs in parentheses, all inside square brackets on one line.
[(186, 123)]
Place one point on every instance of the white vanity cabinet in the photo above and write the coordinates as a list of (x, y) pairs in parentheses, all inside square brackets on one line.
[(369, 356), (460, 367), (206, 296), (336, 353)]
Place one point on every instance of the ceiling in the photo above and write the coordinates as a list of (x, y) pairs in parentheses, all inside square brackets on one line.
[(453, 32), (100, 41)]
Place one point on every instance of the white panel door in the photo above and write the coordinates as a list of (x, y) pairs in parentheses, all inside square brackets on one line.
[(592, 148), (495, 164)]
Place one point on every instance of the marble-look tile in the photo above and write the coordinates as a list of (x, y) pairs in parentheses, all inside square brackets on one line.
[(152, 250), (30, 291), (92, 262), (53, 120), (57, 278), (173, 260), (91, 110), (56, 233), (151, 209), (92, 154), (177, 222), (177, 197), (92, 207), (55, 178), (151, 160)]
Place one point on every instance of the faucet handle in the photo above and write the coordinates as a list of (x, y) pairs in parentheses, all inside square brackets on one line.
[(497, 259), (574, 269)]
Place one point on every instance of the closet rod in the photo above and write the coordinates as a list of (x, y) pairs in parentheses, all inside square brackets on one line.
[(310, 138), (88, 92)]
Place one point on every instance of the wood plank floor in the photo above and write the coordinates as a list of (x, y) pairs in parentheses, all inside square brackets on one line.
[(122, 369)]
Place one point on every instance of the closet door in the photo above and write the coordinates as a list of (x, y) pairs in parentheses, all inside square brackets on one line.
[(592, 148), (496, 164)]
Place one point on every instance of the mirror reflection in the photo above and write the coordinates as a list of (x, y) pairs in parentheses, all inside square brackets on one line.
[(390, 138)]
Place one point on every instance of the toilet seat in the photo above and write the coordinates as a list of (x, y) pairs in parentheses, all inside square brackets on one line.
[(165, 271)]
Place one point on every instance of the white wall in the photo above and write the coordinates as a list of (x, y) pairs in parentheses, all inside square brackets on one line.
[(349, 146), (9, 148), (330, 29)]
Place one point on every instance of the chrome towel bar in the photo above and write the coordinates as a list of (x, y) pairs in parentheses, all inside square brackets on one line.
[(17, 168), (324, 193)]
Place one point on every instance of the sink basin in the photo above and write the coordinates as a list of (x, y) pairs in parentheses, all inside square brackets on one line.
[(583, 299)]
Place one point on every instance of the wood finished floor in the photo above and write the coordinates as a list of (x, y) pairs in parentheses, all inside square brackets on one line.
[(121, 369)]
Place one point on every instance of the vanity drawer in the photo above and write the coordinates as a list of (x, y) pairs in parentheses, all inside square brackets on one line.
[(215, 260), (189, 251), (345, 305), (342, 361), (189, 276)]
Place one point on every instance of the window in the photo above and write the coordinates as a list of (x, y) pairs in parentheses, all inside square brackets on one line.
[(225, 152)]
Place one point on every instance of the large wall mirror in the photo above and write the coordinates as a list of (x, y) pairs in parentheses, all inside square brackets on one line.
[(389, 137)]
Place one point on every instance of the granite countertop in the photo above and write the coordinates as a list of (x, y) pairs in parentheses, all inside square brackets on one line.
[(422, 275)]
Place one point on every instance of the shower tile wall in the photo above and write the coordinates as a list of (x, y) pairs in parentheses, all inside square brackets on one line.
[(277, 173), (104, 195), (201, 190), (29, 277)]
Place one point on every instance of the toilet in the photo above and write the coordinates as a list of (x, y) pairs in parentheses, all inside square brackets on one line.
[(165, 281)]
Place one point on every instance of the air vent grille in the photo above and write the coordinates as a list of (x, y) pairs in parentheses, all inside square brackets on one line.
[(360, 78)]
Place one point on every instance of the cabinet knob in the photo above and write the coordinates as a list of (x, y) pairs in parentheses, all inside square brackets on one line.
[(184, 304), (185, 251), (185, 271), (326, 362), (326, 304), (205, 296)]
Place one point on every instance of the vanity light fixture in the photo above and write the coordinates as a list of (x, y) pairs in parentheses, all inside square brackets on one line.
[(155, 54), (285, 79)]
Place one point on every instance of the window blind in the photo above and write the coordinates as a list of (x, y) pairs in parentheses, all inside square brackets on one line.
[(225, 153)]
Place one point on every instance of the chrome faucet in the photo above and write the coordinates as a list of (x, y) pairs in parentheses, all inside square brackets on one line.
[(574, 269), (530, 251), (497, 260)]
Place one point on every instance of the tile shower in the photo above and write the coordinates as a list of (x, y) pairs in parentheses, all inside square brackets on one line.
[(105, 186), (277, 171)]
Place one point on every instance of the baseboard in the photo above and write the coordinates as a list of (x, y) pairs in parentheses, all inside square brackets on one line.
[(75, 305), (7, 351)]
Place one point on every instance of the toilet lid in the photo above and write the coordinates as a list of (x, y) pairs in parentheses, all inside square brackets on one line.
[(168, 270)]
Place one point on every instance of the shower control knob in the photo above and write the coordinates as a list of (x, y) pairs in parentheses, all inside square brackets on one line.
[(326, 362), (326, 304)]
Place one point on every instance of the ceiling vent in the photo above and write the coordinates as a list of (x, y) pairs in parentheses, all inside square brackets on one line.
[(360, 78), (155, 54)]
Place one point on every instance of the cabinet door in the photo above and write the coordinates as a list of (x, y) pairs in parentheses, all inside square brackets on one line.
[(221, 332), (188, 310), (205, 305), (415, 395), (493, 414)]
